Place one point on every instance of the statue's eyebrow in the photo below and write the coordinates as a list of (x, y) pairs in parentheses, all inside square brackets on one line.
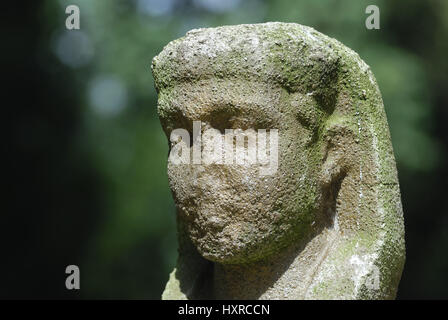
[(200, 103), (219, 108), (170, 109)]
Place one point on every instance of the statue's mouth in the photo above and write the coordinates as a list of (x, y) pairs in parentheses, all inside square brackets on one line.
[(215, 223)]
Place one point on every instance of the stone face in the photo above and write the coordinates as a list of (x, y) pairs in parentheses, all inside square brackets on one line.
[(328, 223)]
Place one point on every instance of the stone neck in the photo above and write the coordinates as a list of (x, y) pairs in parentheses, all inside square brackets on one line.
[(286, 275)]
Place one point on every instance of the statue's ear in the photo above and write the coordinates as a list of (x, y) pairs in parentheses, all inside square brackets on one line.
[(339, 149)]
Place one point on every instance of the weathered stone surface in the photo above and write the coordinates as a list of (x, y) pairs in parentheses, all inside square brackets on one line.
[(328, 224)]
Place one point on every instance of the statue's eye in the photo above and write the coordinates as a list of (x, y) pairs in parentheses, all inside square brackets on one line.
[(231, 117), (175, 119), (221, 117)]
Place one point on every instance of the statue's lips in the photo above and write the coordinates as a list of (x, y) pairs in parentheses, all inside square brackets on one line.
[(215, 223), (208, 221)]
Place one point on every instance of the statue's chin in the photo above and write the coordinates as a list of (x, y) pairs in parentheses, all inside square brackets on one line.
[(223, 256), (227, 247), (223, 250)]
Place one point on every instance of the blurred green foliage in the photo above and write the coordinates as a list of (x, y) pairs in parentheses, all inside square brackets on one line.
[(132, 248)]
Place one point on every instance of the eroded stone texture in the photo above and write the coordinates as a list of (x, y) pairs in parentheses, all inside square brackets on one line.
[(329, 223)]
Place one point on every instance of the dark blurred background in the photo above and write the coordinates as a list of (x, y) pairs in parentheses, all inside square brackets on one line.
[(88, 156)]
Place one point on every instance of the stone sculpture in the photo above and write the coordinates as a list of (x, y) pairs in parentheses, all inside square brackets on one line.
[(328, 223)]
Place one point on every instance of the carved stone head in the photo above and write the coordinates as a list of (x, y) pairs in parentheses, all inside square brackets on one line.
[(331, 192)]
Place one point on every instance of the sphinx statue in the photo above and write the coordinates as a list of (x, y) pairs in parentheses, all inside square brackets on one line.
[(327, 223)]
